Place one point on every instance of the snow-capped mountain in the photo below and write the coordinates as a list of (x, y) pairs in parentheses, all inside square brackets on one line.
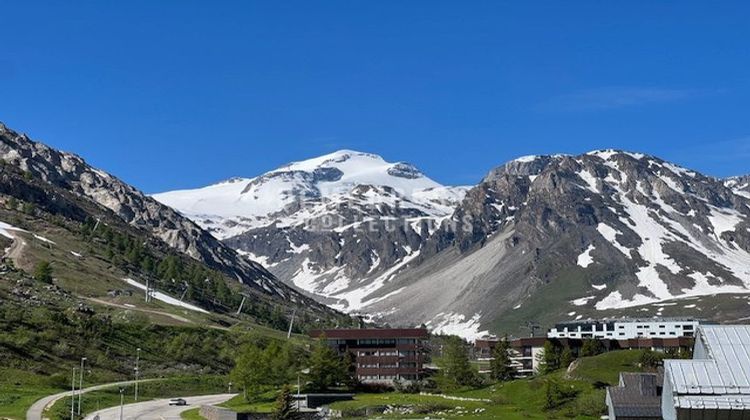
[(336, 226), (553, 237), (540, 238)]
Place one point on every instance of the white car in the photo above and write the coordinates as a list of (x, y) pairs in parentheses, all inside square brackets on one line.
[(177, 401)]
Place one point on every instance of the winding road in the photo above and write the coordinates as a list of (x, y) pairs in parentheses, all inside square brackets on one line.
[(157, 409), (36, 410)]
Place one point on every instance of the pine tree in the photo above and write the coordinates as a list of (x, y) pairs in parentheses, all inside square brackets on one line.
[(591, 347), (566, 358), (43, 272), (550, 357), (326, 367), (285, 406), (455, 363), (500, 364)]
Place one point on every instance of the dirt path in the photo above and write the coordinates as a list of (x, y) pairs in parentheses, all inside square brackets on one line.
[(151, 311), (133, 308)]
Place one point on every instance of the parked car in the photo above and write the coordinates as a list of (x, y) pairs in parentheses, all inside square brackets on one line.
[(177, 401)]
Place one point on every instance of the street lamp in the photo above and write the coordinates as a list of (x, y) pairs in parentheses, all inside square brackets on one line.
[(73, 395), (122, 400), (137, 359), (80, 387)]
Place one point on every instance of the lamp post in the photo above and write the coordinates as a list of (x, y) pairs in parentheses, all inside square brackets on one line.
[(80, 387), (137, 371), (73, 395), (122, 400)]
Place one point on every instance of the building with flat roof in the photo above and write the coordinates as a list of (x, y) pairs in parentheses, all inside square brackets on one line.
[(626, 328), (637, 396), (715, 384), (381, 356)]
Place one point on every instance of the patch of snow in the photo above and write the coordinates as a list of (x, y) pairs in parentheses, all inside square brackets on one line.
[(585, 259), (43, 239), (610, 234), (599, 286), (526, 159), (589, 179), (6, 229), (166, 298), (724, 220), (75, 254), (582, 301), (457, 324)]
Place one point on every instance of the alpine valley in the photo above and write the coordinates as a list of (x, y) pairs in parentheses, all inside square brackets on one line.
[(542, 238)]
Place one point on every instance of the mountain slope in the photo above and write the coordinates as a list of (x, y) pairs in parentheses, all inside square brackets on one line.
[(139, 238), (335, 226), (602, 231)]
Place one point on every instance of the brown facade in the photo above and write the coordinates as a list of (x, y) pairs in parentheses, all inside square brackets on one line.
[(381, 355)]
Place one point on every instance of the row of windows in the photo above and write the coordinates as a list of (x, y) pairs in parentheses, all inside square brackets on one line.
[(386, 341), (391, 353), (409, 377), (387, 365)]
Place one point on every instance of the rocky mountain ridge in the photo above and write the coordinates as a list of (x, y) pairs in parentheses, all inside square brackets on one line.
[(64, 178), (610, 231)]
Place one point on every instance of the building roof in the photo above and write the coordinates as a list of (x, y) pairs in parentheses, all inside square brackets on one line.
[(638, 395), (714, 402), (609, 320), (726, 371), (370, 333)]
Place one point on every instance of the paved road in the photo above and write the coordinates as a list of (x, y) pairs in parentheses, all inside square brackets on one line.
[(158, 409), (36, 410)]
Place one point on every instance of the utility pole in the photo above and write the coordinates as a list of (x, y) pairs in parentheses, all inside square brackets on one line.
[(80, 387), (147, 293), (122, 400), (241, 305), (73, 396), (137, 359), (291, 323)]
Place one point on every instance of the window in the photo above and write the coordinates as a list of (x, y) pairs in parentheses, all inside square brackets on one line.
[(687, 327)]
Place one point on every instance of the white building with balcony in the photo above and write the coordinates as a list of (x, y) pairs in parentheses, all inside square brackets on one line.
[(626, 328)]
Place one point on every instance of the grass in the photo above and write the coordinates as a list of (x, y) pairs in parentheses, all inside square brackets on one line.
[(167, 388), (263, 403), (606, 367), (518, 399), (192, 414), (20, 389)]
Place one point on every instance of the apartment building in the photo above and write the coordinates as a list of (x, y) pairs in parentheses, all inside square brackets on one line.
[(626, 328), (381, 356)]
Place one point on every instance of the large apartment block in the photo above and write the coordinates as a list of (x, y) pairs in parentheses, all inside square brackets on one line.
[(381, 356), (626, 328)]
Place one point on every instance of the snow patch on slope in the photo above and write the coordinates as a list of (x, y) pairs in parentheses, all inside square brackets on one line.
[(457, 324), (166, 298), (585, 259)]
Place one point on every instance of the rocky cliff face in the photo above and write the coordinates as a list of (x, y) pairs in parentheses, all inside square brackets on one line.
[(71, 173), (604, 232)]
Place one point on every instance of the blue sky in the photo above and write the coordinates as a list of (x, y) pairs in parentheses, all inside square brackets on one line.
[(176, 94)]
